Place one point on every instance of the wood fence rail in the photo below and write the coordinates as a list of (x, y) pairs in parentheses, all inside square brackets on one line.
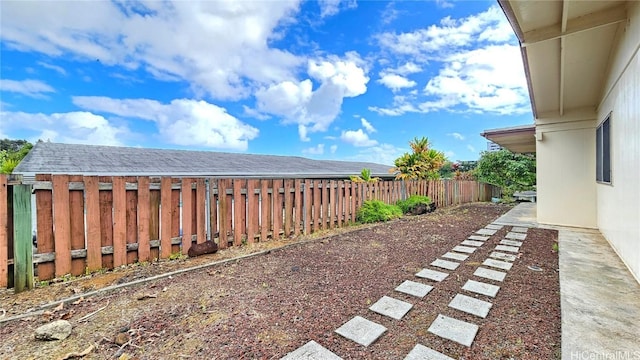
[(86, 223)]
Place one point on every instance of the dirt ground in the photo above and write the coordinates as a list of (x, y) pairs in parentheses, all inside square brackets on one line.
[(265, 306)]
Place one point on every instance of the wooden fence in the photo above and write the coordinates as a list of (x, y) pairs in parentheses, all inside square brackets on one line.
[(86, 223)]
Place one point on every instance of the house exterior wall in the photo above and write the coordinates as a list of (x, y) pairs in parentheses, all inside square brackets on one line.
[(565, 171), (619, 203)]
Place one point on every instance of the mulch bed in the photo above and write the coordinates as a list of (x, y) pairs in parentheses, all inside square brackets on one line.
[(266, 306)]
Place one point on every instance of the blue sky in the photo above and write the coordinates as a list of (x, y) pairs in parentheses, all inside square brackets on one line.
[(331, 79)]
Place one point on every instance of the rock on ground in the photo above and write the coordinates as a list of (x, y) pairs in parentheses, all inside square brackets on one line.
[(56, 330)]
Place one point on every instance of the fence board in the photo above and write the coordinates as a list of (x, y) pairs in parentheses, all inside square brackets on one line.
[(297, 217), (106, 221), (4, 235), (353, 205), (201, 216), (144, 219), (44, 228), (61, 223), (223, 213), (307, 206), (76, 218), (325, 204), (265, 210), (165, 217), (339, 202), (288, 207), (277, 203), (239, 212), (333, 204), (154, 220), (187, 214), (213, 209), (175, 214), (253, 210), (132, 219), (119, 222), (23, 248)]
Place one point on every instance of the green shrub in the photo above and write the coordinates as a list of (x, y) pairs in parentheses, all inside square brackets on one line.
[(375, 211), (414, 200)]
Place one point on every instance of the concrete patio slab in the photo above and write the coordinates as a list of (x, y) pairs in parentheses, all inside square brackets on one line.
[(361, 330), (503, 265), (414, 288), (471, 305), (455, 256), (391, 307), (511, 242), (481, 288), (490, 274), (514, 249), (311, 351), (502, 256), (486, 232), (456, 330), (523, 214), (478, 238), (472, 243), (516, 236), (519, 229), (493, 227), (464, 249), (449, 265), (432, 275), (421, 352)]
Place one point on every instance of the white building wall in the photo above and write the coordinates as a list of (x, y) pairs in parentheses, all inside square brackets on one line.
[(619, 203), (566, 171)]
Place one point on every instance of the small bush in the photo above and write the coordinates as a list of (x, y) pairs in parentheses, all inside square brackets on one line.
[(408, 205), (376, 211)]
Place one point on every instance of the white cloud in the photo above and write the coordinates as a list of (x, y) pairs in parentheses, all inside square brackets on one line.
[(315, 150), (220, 47), (381, 154), (77, 127), (471, 148), (367, 126), (181, 122), (60, 70), (357, 138), (333, 149), (395, 82), (31, 88), (456, 135), (390, 13), (332, 7), (408, 68), (296, 102)]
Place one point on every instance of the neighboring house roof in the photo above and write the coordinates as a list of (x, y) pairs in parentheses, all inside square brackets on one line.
[(566, 47), (56, 158), (519, 139)]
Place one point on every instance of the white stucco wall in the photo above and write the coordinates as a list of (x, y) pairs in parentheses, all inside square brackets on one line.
[(566, 171), (619, 203)]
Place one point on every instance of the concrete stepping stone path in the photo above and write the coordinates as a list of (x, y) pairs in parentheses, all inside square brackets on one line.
[(481, 288), (498, 264), (464, 249), (519, 229), (414, 288), (516, 236), (478, 238), (421, 352), (456, 330), (490, 274), (510, 242), (514, 249), (455, 256), (432, 275), (486, 232), (361, 330), (311, 351), (391, 307), (502, 256), (471, 305), (493, 227), (472, 243), (449, 265)]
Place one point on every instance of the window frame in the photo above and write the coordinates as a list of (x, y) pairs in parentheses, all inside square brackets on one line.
[(603, 151)]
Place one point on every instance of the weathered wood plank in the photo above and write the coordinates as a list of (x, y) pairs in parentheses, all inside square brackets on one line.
[(119, 222), (94, 261), (106, 222), (23, 247), (277, 202), (213, 207), (317, 204), (132, 219), (288, 207), (44, 227), (186, 215), (298, 211), (175, 214), (223, 213), (76, 217), (4, 235), (165, 218), (340, 202), (324, 215), (238, 212), (154, 222), (265, 210), (144, 219), (201, 202), (61, 223), (253, 210)]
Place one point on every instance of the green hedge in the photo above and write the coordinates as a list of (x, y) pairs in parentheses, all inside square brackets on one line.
[(414, 200), (376, 211)]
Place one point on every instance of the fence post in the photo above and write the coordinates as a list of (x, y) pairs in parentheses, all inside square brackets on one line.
[(23, 248), (4, 232)]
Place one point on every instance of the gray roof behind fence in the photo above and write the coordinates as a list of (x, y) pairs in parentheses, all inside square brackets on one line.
[(56, 158)]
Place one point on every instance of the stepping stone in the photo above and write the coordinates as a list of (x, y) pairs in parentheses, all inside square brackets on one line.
[(464, 249), (471, 305), (490, 274), (493, 227), (414, 288), (498, 264), (432, 275), (391, 307), (361, 330), (311, 351), (456, 330), (421, 352), (449, 265), (520, 229), (472, 243), (502, 256), (486, 232), (514, 249), (455, 256), (516, 236), (481, 288), (511, 242), (478, 238)]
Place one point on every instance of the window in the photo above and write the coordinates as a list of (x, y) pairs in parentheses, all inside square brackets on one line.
[(603, 152)]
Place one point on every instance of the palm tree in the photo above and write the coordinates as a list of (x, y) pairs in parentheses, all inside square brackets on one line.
[(423, 163), (364, 177)]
